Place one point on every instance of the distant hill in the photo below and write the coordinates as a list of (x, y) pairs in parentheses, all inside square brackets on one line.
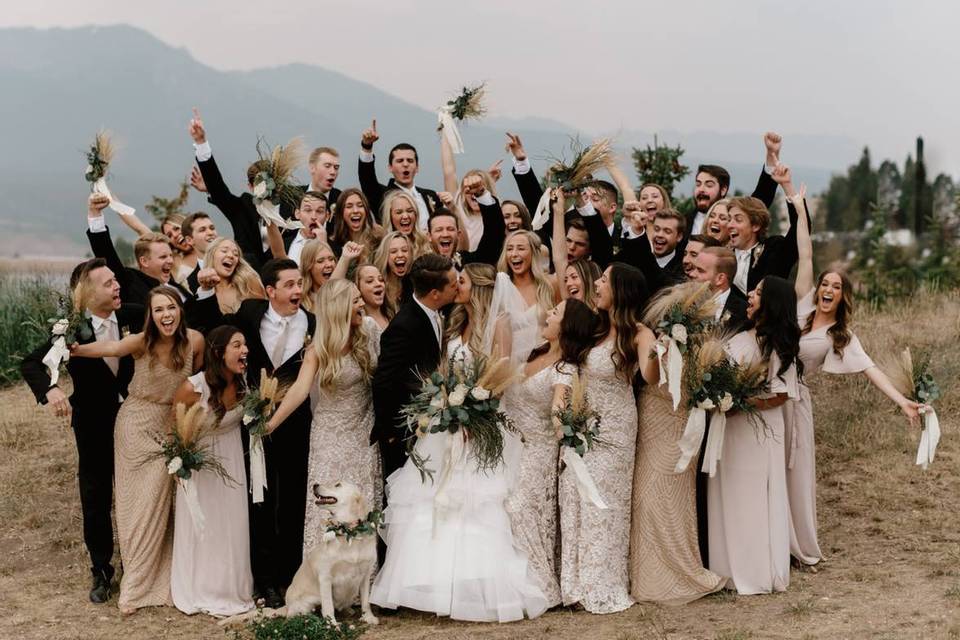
[(61, 85)]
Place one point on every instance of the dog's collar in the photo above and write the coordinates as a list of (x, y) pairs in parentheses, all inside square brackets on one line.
[(365, 527)]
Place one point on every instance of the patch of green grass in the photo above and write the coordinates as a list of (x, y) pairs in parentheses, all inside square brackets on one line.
[(801, 608), (26, 302), (733, 634), (953, 592)]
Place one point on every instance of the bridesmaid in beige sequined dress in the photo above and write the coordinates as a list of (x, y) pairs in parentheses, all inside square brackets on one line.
[(165, 354)]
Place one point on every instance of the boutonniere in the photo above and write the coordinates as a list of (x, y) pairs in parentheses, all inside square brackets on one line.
[(432, 202), (757, 252), (725, 317), (307, 339), (458, 261), (124, 331)]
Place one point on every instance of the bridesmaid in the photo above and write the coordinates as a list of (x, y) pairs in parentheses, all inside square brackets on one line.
[(665, 562), (369, 281), (211, 572), (579, 278), (165, 354), (225, 281), (399, 214), (532, 506), (353, 222), (340, 365), (749, 518), (824, 313), (595, 543), (394, 258)]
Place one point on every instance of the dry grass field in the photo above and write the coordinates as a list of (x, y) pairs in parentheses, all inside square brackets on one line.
[(891, 531)]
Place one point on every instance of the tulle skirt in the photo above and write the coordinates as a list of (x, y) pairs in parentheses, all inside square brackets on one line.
[(449, 543)]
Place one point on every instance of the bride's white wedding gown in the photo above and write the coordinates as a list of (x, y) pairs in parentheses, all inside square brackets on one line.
[(449, 543)]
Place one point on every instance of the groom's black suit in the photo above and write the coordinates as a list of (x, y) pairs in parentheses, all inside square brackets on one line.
[(408, 349), (95, 401)]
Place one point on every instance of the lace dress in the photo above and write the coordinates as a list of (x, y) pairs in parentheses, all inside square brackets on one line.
[(595, 543), (211, 570), (340, 448), (747, 505), (816, 351), (532, 504), (450, 549), (144, 490)]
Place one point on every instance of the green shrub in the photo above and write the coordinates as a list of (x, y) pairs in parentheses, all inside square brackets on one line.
[(27, 301), (302, 627)]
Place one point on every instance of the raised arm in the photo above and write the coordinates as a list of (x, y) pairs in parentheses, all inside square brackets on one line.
[(211, 178), (449, 165), (559, 244), (804, 282), (133, 343), (136, 224), (527, 182), (100, 242), (275, 240), (366, 169), (880, 380), (350, 252), (298, 392), (622, 181), (766, 188)]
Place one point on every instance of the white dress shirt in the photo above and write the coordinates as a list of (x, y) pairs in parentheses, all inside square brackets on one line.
[(296, 247), (106, 330), (721, 299), (423, 212), (698, 219), (663, 261), (743, 267), (272, 326), (434, 317)]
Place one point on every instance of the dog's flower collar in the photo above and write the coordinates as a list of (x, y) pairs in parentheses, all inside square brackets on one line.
[(365, 527)]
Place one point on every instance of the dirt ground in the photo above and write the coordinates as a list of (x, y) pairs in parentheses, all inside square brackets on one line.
[(891, 531)]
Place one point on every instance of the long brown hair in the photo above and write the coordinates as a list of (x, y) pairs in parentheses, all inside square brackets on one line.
[(630, 295), (214, 370), (151, 333), (483, 279), (369, 236), (577, 332), (839, 331)]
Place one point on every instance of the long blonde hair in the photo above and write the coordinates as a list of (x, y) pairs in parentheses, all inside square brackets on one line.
[(483, 278), (334, 333), (546, 294), (245, 280), (308, 256), (394, 284), (419, 242)]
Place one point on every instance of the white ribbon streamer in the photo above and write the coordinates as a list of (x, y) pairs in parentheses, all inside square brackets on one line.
[(258, 468), (542, 214), (711, 456), (271, 214), (57, 354), (449, 130), (585, 485), (929, 438), (691, 439), (193, 504), (672, 374), (443, 503), (100, 186)]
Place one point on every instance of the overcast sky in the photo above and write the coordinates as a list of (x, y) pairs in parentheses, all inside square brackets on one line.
[(880, 72)]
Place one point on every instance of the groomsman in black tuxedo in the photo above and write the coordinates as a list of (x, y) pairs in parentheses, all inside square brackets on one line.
[(410, 347), (249, 232), (152, 251), (711, 183), (661, 257), (324, 167), (443, 228), (277, 331), (404, 164), (198, 232), (692, 248), (312, 212), (99, 386)]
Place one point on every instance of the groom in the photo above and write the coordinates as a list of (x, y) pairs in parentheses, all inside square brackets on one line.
[(410, 347)]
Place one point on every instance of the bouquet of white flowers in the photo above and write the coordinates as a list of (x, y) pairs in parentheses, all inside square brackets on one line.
[(467, 105), (258, 405), (99, 156)]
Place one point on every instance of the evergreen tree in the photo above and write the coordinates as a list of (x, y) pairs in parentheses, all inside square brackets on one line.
[(660, 165)]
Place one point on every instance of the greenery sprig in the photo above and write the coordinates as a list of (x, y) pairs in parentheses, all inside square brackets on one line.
[(469, 104), (365, 527)]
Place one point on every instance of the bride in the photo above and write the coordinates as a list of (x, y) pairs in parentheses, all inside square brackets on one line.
[(449, 543)]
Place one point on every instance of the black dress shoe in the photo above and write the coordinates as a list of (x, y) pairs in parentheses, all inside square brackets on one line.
[(100, 592), (272, 598)]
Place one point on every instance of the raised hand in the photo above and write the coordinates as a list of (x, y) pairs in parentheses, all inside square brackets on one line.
[(772, 141), (781, 174), (558, 200), (515, 146), (208, 278), (197, 132), (196, 180), (473, 185), (446, 198), (96, 203), (634, 213), (495, 171), (369, 136), (352, 250)]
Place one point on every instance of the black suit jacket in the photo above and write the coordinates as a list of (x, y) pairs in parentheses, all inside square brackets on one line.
[(96, 391), (735, 310), (776, 255), (287, 211), (374, 191), (765, 191), (135, 285), (637, 252), (240, 211), (494, 233), (408, 350)]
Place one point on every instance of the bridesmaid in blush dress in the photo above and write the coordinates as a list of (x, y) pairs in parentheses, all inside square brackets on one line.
[(165, 354), (749, 517), (532, 504), (211, 569), (824, 313)]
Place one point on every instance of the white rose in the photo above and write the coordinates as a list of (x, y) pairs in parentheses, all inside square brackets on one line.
[(726, 402), (260, 189), (174, 465), (479, 393), (329, 536), (437, 402), (457, 397), (679, 333), (60, 327), (248, 418), (423, 422), (706, 405)]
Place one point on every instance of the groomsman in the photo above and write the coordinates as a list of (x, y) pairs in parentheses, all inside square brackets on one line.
[(695, 244), (324, 167), (660, 258), (198, 232), (312, 212), (152, 251), (443, 228), (99, 386), (278, 331), (718, 266), (249, 232), (404, 164)]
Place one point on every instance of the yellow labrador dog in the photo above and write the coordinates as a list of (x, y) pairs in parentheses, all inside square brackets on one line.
[(336, 569)]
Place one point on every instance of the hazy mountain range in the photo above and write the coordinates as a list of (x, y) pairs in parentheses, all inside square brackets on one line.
[(61, 85)]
